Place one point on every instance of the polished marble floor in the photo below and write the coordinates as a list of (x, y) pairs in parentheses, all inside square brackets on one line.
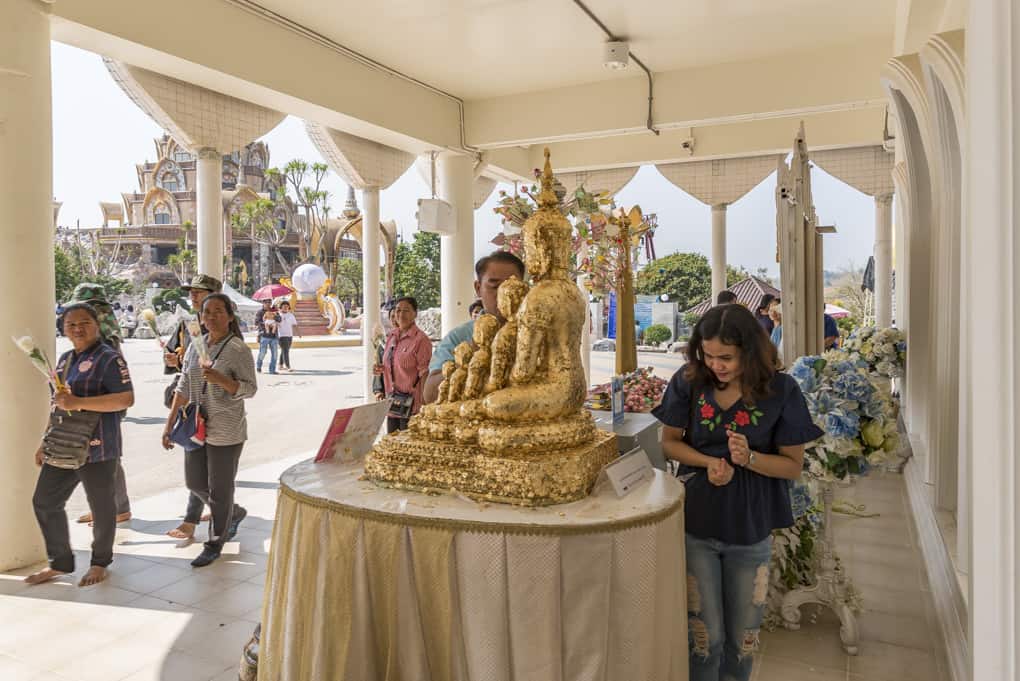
[(158, 619)]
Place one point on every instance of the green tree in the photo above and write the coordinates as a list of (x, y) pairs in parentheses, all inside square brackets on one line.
[(182, 263), (186, 227), (255, 220), (311, 196), (416, 269), (685, 277), (657, 333), (735, 274), (763, 274), (349, 273), (168, 300), (68, 274)]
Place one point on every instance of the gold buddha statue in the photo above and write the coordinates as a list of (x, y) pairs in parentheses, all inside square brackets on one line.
[(511, 425)]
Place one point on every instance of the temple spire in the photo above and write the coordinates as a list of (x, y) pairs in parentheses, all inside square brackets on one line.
[(351, 209)]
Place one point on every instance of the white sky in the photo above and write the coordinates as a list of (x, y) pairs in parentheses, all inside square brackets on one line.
[(99, 135)]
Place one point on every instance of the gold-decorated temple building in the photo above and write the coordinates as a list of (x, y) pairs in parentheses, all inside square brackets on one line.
[(152, 218)]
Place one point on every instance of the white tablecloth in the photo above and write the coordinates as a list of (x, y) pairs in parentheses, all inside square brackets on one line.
[(370, 583)]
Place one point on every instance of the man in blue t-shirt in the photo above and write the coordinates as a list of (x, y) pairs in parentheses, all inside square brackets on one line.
[(490, 272)]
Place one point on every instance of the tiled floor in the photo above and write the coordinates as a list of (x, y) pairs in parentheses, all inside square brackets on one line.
[(900, 640), (157, 619)]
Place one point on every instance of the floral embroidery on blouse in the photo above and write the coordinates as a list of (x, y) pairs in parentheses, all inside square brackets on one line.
[(710, 419)]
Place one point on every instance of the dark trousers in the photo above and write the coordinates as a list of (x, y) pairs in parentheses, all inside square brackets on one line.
[(193, 514), (394, 424), (54, 488), (210, 472), (120, 490), (285, 342)]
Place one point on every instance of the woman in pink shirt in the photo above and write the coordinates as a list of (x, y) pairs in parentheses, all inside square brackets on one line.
[(405, 364)]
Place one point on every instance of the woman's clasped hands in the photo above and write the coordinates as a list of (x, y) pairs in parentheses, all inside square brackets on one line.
[(720, 472)]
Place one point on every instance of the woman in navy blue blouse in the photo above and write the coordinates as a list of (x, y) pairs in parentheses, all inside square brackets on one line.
[(738, 428), (97, 379)]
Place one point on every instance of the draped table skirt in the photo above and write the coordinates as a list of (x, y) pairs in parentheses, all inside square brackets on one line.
[(368, 583)]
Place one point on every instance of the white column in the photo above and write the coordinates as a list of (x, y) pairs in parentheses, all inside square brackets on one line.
[(209, 197), (585, 331), (993, 386), (370, 279), (883, 260), (718, 249), (26, 264), (819, 286), (457, 252)]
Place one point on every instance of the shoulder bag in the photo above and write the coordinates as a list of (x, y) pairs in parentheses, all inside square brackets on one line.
[(189, 427), (67, 438)]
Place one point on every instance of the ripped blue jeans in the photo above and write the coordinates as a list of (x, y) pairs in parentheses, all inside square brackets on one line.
[(726, 589)]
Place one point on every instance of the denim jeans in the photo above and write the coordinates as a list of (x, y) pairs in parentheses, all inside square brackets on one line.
[(726, 589), (270, 344)]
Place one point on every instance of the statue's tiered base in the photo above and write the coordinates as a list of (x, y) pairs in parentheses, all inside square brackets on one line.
[(531, 478)]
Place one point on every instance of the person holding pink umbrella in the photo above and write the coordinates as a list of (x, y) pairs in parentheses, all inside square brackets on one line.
[(268, 339)]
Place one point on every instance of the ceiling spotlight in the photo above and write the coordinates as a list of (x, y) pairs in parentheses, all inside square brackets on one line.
[(616, 55)]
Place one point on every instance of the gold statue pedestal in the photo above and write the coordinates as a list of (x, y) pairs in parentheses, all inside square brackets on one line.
[(514, 476)]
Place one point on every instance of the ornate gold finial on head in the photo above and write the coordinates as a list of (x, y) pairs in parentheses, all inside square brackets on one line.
[(547, 198)]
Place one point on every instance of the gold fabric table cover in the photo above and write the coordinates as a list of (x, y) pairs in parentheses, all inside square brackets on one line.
[(367, 583)]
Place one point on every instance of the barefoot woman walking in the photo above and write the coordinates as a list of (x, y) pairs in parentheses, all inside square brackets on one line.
[(97, 380)]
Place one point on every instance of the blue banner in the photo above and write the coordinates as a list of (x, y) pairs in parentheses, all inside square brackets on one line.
[(611, 318)]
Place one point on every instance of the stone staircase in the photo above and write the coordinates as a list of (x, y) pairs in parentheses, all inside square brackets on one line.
[(310, 320)]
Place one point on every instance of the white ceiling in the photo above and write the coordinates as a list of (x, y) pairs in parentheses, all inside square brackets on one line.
[(486, 48)]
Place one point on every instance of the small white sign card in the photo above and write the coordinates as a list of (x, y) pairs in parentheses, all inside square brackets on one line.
[(627, 472)]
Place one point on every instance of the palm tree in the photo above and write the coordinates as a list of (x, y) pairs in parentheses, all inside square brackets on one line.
[(186, 227)]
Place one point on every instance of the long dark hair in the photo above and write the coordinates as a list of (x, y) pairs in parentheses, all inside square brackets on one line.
[(228, 304), (733, 325)]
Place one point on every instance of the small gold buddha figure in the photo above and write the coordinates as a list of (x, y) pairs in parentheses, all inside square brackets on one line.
[(438, 421), (428, 411), (444, 387), (485, 330), (504, 347), (461, 356)]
